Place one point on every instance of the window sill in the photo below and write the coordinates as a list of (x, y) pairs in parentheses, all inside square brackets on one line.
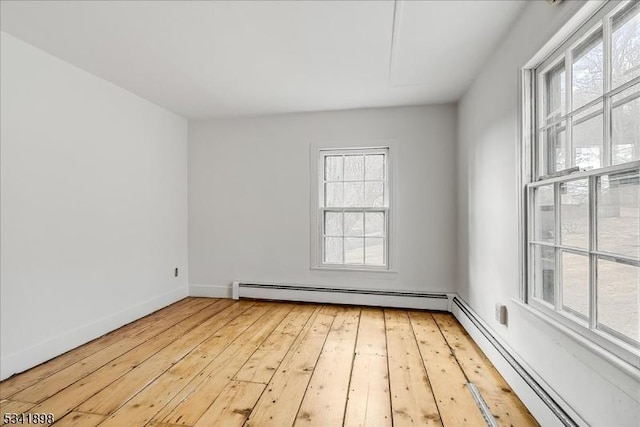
[(612, 358), (354, 269)]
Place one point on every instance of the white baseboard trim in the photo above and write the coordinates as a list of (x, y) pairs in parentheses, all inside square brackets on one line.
[(439, 301), (55, 346), (210, 291), (543, 402)]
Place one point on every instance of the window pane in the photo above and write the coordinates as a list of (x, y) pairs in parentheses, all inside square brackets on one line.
[(574, 213), (354, 250), (333, 194), (333, 223), (374, 167), (353, 224), (587, 139), (354, 168), (555, 148), (618, 214), (373, 194), (554, 93), (333, 250), (333, 168), (374, 223), (625, 45), (374, 251), (619, 297), (587, 73), (575, 283), (353, 201), (544, 262), (353, 194), (625, 132), (544, 219)]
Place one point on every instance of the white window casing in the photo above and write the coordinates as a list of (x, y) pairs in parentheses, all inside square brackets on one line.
[(579, 199), (352, 218)]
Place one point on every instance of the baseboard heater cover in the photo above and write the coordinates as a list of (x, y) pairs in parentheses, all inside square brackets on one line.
[(542, 394), (388, 298)]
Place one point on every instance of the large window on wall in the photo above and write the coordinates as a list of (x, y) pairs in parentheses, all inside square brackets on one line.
[(353, 211), (583, 198)]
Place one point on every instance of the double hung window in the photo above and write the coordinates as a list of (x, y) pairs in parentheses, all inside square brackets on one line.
[(583, 198), (353, 209)]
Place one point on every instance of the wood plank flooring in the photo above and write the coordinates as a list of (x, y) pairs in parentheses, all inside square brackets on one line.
[(218, 362)]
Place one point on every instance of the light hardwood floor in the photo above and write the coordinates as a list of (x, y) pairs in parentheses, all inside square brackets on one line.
[(210, 362)]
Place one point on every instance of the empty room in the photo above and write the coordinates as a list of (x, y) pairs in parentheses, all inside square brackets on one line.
[(326, 213)]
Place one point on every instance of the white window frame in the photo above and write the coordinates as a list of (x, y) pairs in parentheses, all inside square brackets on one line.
[(621, 351), (318, 151)]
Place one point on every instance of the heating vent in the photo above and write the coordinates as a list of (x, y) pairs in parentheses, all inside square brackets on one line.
[(371, 297), (482, 405)]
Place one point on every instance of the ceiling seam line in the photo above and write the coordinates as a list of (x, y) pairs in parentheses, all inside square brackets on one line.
[(393, 40)]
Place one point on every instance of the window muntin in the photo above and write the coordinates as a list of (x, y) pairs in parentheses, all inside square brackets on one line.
[(574, 213), (354, 208), (618, 214), (544, 214), (618, 299), (575, 283), (587, 70), (584, 249), (584, 203), (625, 45), (625, 117), (587, 116), (544, 272)]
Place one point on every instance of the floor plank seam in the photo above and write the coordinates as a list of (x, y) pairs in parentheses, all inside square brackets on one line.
[(451, 350), (353, 358), (88, 413), (426, 371), (386, 344), (314, 368)]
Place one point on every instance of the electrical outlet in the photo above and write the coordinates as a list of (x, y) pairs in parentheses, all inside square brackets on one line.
[(501, 313), (175, 273)]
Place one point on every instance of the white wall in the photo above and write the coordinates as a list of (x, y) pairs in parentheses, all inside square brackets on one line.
[(249, 197), (93, 208), (488, 228)]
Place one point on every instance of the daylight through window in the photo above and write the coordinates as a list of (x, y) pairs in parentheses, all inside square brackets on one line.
[(354, 201), (584, 199)]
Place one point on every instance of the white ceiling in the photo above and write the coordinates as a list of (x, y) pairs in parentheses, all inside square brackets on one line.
[(218, 59)]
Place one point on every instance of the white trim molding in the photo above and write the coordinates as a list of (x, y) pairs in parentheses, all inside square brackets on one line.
[(594, 17), (623, 365), (210, 291), (315, 226), (574, 22), (55, 346)]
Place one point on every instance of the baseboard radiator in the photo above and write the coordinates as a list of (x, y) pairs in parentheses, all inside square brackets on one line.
[(370, 297)]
